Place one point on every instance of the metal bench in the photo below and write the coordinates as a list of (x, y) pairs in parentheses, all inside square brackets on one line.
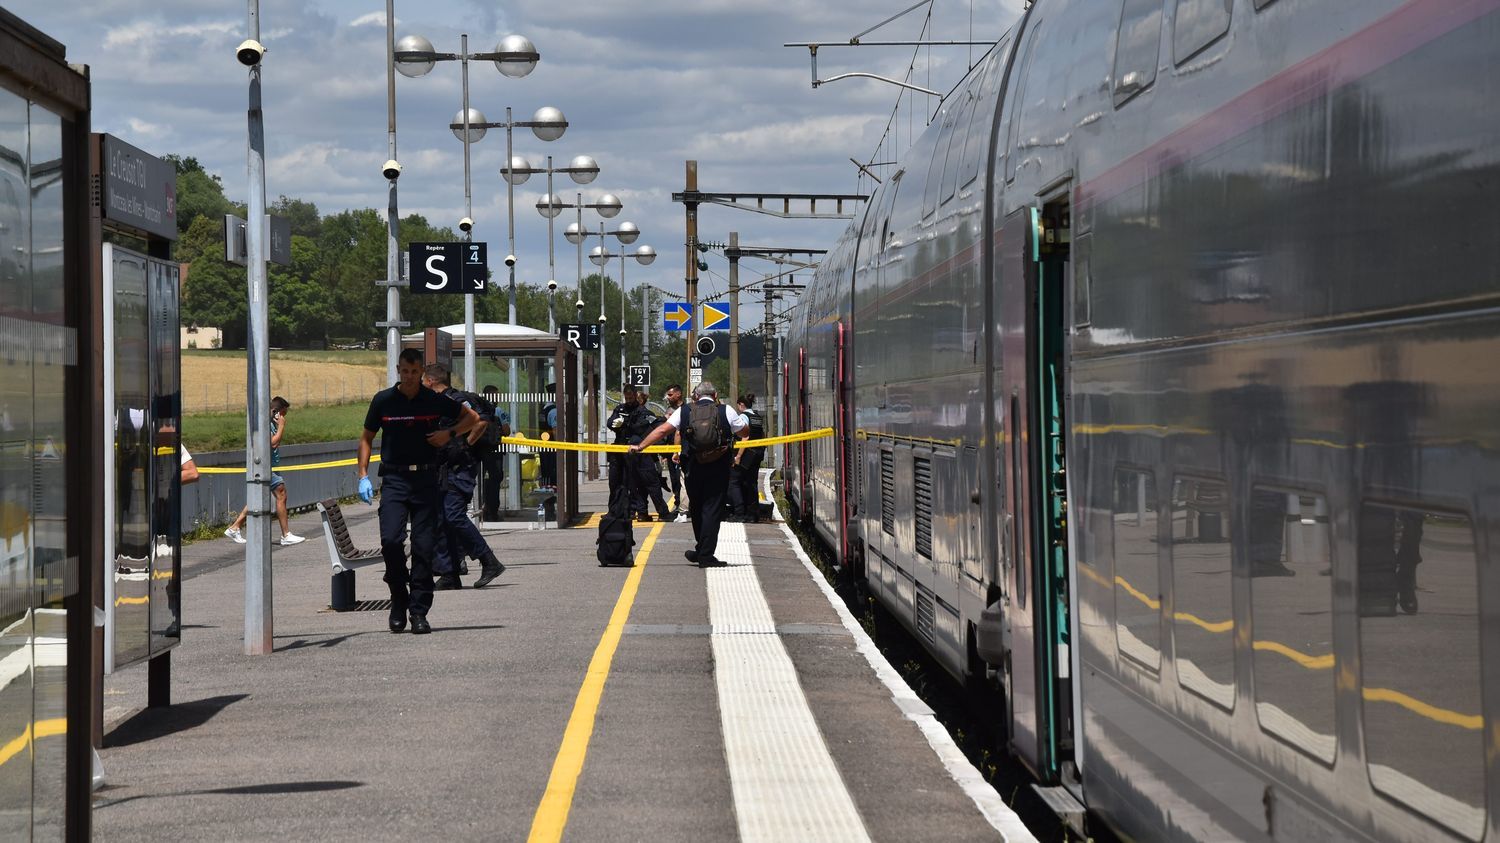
[(343, 554)]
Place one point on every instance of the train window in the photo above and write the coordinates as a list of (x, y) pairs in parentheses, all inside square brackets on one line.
[(1203, 589), (1261, 4), (1423, 713), (984, 113), (1291, 617), (1137, 48), (1137, 571), (947, 116), (961, 130), (1083, 280), (1017, 99), (1198, 23)]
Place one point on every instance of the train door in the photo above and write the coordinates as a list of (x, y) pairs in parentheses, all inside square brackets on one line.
[(844, 453), (804, 483), (1034, 349)]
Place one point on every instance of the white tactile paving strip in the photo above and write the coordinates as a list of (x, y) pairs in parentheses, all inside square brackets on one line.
[(785, 784)]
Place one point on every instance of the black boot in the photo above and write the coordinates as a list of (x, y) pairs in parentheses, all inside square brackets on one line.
[(489, 570), (447, 582), (397, 621)]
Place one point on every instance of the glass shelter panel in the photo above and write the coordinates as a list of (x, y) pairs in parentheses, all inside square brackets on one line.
[(15, 470), (1291, 597)]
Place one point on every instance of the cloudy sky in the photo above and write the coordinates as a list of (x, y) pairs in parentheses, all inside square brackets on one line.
[(644, 85)]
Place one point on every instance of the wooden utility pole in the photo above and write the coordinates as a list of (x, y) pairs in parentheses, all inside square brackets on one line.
[(691, 206), (734, 315)]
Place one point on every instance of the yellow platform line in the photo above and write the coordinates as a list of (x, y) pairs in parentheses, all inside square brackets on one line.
[(552, 814)]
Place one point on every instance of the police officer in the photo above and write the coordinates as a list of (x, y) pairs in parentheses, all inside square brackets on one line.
[(744, 475), (407, 416), (631, 421), (708, 479), (457, 476), (674, 467)]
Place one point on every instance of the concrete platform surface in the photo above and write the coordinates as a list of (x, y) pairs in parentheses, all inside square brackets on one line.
[(662, 702)]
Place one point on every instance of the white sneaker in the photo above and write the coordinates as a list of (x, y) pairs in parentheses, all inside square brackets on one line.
[(290, 539), (235, 535), (682, 518)]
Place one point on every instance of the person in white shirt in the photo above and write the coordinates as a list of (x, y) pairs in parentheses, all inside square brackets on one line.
[(708, 431)]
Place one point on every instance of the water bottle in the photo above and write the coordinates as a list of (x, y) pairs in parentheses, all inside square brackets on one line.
[(541, 514)]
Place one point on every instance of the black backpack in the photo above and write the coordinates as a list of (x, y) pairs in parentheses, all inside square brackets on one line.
[(489, 441), (616, 535), (706, 432)]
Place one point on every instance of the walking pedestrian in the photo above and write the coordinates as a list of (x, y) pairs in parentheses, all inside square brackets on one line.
[(708, 430), (279, 408), (458, 465), (407, 417), (744, 476)]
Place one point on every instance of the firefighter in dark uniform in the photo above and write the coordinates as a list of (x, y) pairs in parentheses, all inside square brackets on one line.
[(408, 417), (631, 421), (457, 476)]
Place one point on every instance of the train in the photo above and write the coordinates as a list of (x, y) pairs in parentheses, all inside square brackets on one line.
[(1161, 368)]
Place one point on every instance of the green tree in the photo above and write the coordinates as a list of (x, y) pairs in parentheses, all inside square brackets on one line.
[(302, 215), (214, 292), (199, 194), (300, 304)]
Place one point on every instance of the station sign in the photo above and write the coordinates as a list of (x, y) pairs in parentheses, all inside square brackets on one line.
[(449, 268), (583, 336), (677, 316), (137, 190), (640, 376)]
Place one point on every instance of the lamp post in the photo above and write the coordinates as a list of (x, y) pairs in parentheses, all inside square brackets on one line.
[(583, 170), (627, 234), (607, 206), (515, 57), (645, 256)]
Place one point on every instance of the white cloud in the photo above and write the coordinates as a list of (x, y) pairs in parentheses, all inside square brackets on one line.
[(372, 19)]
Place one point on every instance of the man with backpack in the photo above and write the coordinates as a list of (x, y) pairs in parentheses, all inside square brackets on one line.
[(458, 467), (708, 430)]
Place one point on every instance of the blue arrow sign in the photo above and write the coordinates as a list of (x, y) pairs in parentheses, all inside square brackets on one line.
[(715, 316), (676, 316)]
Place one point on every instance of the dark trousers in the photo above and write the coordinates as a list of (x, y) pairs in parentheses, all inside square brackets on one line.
[(463, 538), (494, 475), (415, 496), (674, 472), (647, 478), (707, 488), (744, 497)]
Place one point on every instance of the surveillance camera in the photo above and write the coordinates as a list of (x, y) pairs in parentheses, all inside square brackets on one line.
[(551, 285), (465, 224), (391, 170), (579, 304), (249, 52), (510, 260)]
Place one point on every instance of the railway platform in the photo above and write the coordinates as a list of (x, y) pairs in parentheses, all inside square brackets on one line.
[(568, 700)]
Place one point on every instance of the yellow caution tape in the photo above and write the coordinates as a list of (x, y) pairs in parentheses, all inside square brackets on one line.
[(539, 444), (550, 445)]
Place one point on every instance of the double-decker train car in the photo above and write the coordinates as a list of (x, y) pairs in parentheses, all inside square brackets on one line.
[(1162, 368)]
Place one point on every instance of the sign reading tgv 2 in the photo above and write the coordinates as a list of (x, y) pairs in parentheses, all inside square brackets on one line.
[(448, 268)]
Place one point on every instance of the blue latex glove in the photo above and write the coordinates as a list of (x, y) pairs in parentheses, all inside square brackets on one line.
[(366, 490)]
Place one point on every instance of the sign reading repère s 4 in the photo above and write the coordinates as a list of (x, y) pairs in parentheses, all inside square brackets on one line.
[(438, 268)]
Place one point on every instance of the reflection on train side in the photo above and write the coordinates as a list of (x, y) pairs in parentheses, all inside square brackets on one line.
[(1419, 627)]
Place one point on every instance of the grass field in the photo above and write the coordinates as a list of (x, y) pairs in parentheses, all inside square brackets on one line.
[(214, 381), (204, 432)]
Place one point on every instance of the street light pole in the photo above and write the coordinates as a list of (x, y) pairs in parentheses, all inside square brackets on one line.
[(392, 240), (258, 617), (551, 262), (470, 347)]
